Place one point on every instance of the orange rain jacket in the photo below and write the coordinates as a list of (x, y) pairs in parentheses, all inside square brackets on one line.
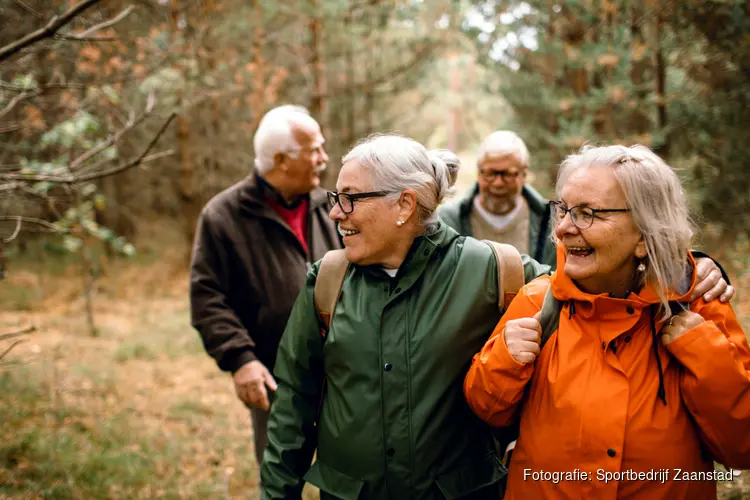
[(588, 404)]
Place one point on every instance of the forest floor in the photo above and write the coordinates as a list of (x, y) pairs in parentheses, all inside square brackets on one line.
[(138, 411)]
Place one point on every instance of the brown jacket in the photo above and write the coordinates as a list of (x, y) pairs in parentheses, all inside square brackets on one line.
[(247, 270)]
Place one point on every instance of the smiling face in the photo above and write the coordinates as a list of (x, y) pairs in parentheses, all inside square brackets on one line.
[(370, 233), (603, 257)]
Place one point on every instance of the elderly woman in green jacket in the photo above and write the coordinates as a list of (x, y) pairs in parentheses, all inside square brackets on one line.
[(417, 302)]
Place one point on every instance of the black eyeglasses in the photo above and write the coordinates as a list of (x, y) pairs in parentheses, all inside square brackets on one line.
[(507, 175), (346, 200), (583, 217)]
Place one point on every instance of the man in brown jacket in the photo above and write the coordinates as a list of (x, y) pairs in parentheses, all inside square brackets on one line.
[(254, 243)]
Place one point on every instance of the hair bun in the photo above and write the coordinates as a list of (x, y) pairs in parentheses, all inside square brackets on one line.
[(446, 165)]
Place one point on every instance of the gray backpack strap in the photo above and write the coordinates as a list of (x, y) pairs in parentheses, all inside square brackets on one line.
[(510, 275), (550, 319), (328, 286)]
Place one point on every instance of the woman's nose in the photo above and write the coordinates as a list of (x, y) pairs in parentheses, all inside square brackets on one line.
[(566, 226)]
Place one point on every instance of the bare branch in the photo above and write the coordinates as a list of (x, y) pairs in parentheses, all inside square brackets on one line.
[(28, 9), (23, 331), (14, 344), (106, 24), (49, 30), (131, 123), (9, 127), (77, 38), (30, 220), (16, 100), (141, 159), (12, 237)]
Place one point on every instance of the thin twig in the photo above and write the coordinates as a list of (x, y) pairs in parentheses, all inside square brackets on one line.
[(106, 24), (50, 29), (132, 122), (16, 100), (13, 237), (120, 168), (29, 9), (31, 220), (23, 331), (76, 38), (14, 344)]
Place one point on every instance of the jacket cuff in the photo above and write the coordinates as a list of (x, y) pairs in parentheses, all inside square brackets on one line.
[(696, 254), (235, 361)]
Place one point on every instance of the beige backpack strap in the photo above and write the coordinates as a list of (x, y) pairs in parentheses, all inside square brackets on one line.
[(331, 276), (510, 275)]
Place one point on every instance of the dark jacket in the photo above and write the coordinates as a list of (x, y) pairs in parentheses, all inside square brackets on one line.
[(393, 422), (457, 214), (248, 268)]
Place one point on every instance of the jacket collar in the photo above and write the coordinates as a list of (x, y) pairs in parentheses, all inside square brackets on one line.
[(421, 251), (563, 288), (254, 190)]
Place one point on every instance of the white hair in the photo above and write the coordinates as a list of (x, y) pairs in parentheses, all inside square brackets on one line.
[(503, 143), (396, 163), (274, 135), (658, 205)]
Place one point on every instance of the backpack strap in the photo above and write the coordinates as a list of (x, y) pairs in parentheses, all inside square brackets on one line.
[(328, 286), (510, 274), (550, 319)]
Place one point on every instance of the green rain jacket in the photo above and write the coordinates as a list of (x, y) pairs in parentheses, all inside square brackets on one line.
[(393, 420)]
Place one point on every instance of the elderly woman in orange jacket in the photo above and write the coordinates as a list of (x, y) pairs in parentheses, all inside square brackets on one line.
[(625, 399)]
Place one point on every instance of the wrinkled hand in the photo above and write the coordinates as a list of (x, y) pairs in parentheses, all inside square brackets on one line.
[(250, 383), (679, 324), (710, 283), (522, 336)]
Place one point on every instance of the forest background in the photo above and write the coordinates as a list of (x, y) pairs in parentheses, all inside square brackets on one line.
[(120, 119)]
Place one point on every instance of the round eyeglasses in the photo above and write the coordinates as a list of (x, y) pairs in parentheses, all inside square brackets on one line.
[(582, 217)]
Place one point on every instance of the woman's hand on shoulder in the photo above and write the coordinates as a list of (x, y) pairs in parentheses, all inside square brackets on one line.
[(709, 283), (679, 324), (522, 337)]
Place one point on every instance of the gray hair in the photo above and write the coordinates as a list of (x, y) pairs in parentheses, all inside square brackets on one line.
[(658, 206), (274, 135), (396, 163), (503, 143)]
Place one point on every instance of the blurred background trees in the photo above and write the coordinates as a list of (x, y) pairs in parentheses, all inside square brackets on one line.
[(89, 99)]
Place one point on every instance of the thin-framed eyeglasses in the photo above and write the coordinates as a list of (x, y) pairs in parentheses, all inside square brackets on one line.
[(508, 175), (582, 217), (346, 200)]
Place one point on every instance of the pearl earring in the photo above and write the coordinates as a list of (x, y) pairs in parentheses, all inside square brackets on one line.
[(641, 267), (399, 223)]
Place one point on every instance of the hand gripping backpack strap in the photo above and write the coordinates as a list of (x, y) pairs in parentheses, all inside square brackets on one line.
[(331, 276), (510, 275), (550, 321)]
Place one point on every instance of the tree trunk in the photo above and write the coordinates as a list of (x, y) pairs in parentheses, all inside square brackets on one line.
[(184, 156), (661, 84)]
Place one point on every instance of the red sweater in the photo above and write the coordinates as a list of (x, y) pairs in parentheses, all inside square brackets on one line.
[(296, 218)]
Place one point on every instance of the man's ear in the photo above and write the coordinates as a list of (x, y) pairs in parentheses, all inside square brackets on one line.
[(407, 203), (279, 161)]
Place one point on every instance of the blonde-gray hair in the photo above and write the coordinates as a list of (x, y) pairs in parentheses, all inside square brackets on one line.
[(658, 206), (396, 163)]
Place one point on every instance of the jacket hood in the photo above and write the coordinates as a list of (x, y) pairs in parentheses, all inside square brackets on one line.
[(563, 288)]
